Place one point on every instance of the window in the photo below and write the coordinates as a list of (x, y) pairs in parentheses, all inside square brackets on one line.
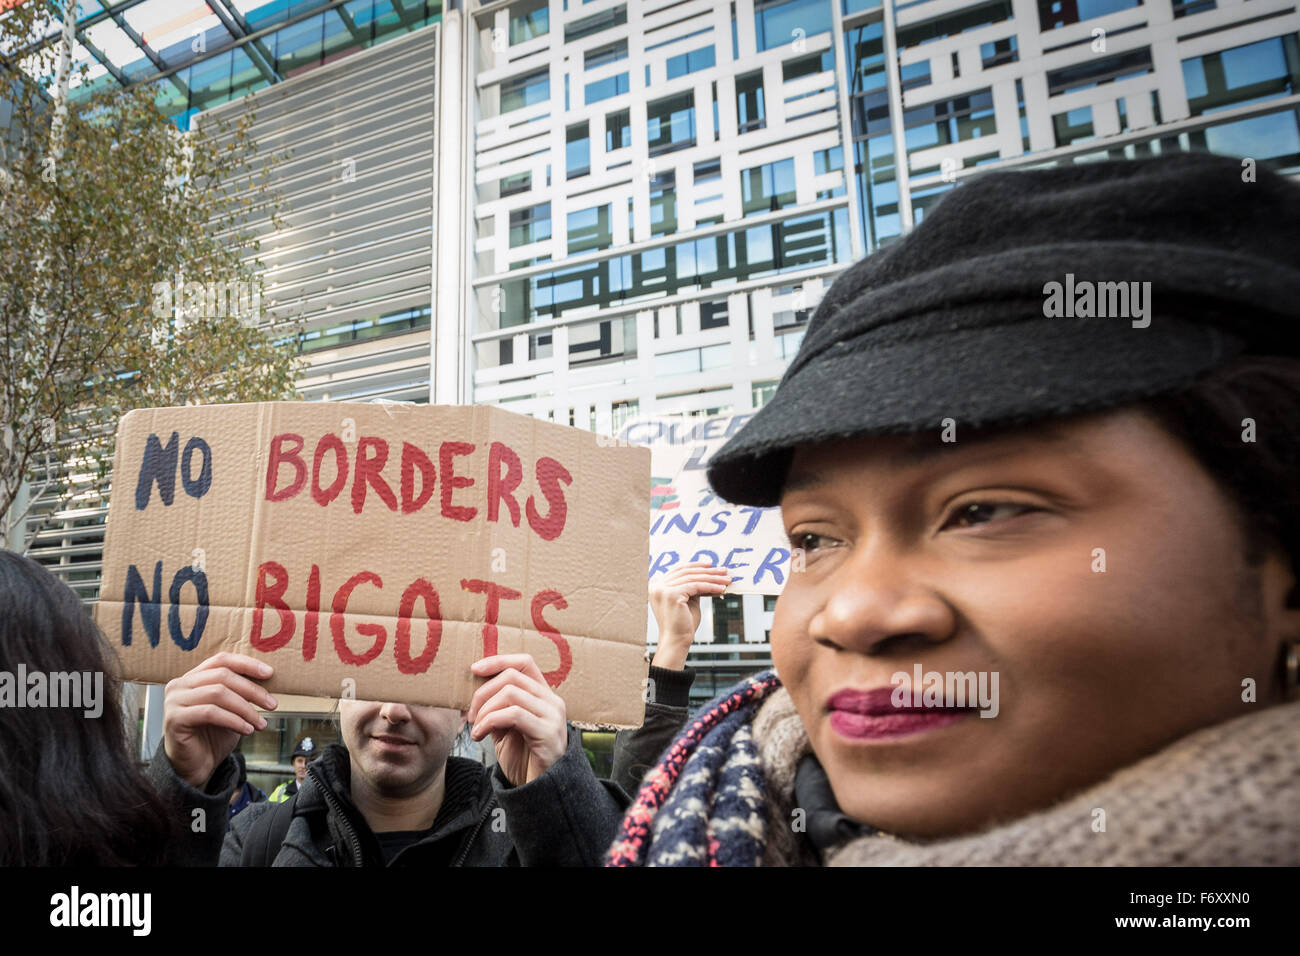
[(620, 413), (618, 130), (790, 318), (518, 183), (539, 345), (1273, 139), (708, 170), (914, 74), (949, 121), (703, 266), (713, 315), (577, 151), (393, 323), (807, 65), (1094, 72), (866, 58), (663, 204), (1243, 74), (595, 23), (589, 229), (749, 101), (530, 225), (1185, 8), (714, 87), (997, 52), (952, 24), (521, 91), (1024, 120), (827, 161), (671, 123), (776, 21), (528, 20), (692, 62), (1054, 14), (600, 341), (768, 188), (728, 619), (599, 56), (1074, 126), (708, 185), (763, 392), (606, 88)]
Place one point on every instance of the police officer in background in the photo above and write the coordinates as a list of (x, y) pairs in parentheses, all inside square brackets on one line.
[(302, 753)]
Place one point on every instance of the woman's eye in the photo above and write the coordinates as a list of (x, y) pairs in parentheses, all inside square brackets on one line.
[(977, 513), (807, 541)]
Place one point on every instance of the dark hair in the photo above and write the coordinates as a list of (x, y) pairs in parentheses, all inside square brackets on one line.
[(1242, 422), (70, 791)]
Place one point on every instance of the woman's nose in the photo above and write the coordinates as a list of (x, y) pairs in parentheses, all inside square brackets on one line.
[(877, 603)]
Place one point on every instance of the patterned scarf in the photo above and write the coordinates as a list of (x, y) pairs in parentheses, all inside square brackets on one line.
[(703, 804), (727, 790)]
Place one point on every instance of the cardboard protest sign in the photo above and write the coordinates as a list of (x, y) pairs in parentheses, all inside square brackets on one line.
[(688, 522), (376, 551)]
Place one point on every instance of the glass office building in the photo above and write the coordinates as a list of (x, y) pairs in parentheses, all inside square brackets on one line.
[(593, 211), (663, 190)]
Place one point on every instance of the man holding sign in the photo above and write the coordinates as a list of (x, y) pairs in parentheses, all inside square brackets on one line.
[(450, 561), (392, 795)]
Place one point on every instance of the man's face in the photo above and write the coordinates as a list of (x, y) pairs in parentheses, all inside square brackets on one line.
[(398, 749), (987, 556), (300, 768)]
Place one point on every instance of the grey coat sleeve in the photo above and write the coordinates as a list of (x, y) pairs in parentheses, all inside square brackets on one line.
[(232, 849), (200, 814), (566, 817), (666, 711)]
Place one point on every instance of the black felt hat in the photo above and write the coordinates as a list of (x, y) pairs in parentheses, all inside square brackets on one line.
[(1035, 294)]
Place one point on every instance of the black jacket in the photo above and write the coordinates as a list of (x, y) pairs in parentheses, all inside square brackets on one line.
[(566, 817), (667, 707)]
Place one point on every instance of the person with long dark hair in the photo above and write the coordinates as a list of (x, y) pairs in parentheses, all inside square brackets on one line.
[(70, 791)]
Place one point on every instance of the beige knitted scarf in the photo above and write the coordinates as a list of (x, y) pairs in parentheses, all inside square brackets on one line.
[(1226, 795)]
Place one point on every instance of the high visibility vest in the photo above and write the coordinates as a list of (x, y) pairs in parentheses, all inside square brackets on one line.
[(282, 793)]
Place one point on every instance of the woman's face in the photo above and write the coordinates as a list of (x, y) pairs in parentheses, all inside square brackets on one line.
[(988, 556)]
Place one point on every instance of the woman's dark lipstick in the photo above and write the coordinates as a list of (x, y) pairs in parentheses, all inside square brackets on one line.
[(871, 715)]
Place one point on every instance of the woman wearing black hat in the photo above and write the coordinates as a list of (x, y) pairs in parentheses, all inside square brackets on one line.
[(1044, 605)]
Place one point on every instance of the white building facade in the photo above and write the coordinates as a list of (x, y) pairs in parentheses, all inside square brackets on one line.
[(590, 212)]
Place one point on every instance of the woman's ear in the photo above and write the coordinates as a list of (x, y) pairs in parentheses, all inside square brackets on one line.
[(1280, 594), (1280, 590)]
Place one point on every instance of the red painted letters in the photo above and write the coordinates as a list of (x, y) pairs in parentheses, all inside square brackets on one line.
[(273, 587), (416, 479), (272, 595), (419, 588), (294, 458)]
